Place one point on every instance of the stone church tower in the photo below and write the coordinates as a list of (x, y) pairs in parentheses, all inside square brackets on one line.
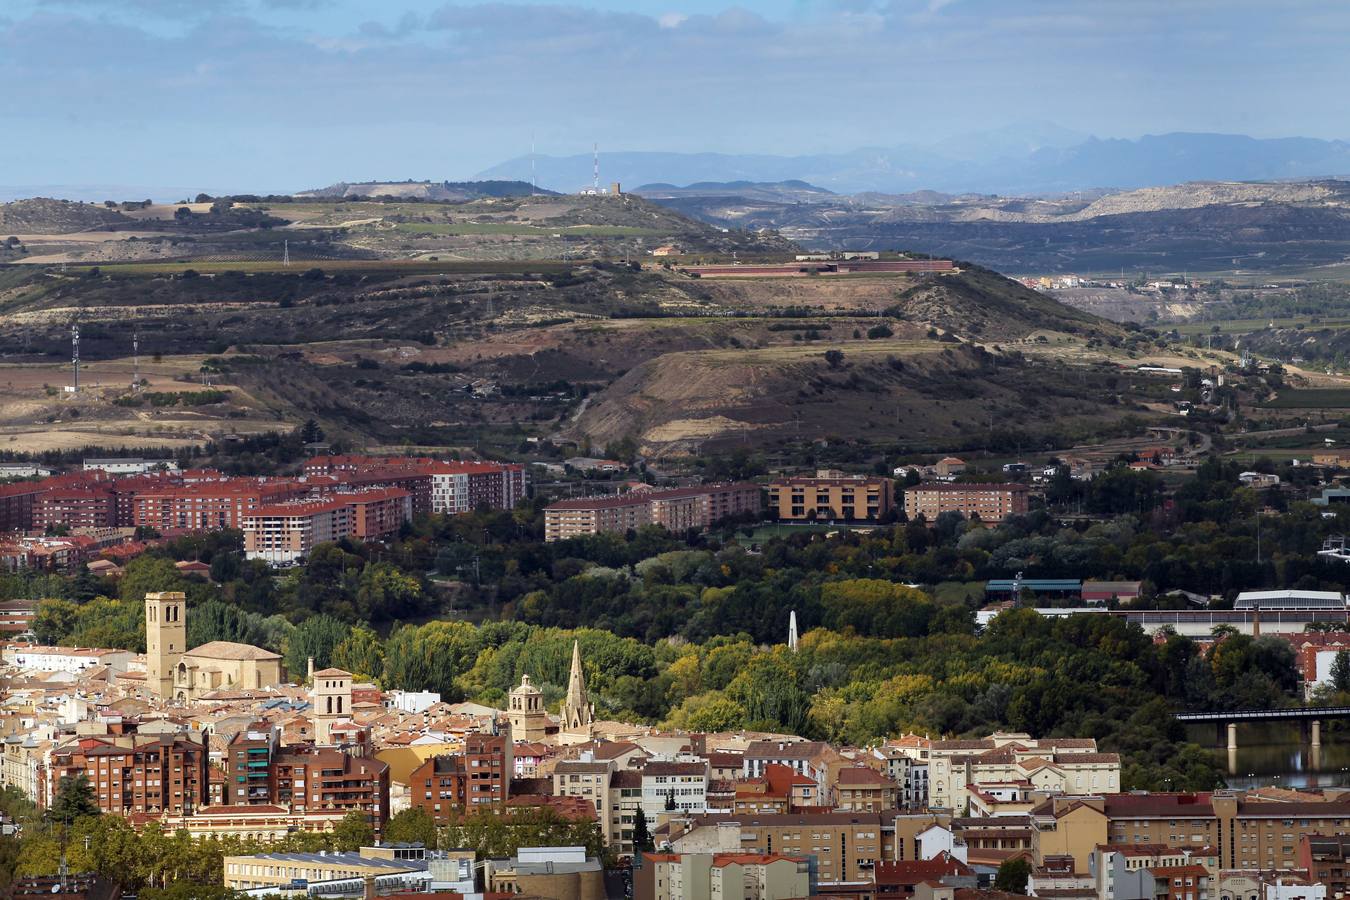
[(165, 639), (529, 721), (577, 710), (331, 695)]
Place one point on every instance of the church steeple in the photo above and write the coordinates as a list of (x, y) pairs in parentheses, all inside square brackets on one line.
[(577, 710)]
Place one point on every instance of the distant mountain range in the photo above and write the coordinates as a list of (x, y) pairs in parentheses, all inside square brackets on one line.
[(1043, 161)]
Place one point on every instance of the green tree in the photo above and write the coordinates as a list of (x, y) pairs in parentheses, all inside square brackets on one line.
[(1340, 671), (361, 652), (74, 800), (414, 826), (353, 832), (1013, 875), (642, 836), (317, 636)]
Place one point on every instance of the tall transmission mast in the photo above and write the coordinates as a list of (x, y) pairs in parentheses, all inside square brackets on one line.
[(595, 182), (75, 353), (285, 253), (135, 359)]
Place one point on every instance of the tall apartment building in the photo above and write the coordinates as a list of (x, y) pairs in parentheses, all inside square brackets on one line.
[(249, 776), (991, 502), (74, 507), (831, 496), (136, 773), (452, 785), (677, 509), (309, 779), (287, 532), (460, 487), (16, 504)]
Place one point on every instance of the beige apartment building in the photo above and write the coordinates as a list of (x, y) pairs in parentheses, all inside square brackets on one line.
[(1053, 765), (721, 876), (990, 502), (831, 496), (676, 509), (846, 845)]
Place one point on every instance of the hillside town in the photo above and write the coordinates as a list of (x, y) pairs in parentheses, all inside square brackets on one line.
[(218, 741)]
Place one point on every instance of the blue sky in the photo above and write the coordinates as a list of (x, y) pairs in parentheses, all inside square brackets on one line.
[(286, 94)]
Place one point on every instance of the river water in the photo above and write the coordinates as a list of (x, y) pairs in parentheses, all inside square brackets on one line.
[(1278, 754)]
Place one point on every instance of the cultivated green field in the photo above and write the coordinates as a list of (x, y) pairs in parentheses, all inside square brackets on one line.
[(1246, 326), (1316, 398)]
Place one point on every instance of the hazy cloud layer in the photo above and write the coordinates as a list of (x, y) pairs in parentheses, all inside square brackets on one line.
[(276, 94)]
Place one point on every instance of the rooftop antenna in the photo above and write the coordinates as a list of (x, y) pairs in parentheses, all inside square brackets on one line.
[(75, 353), (286, 254), (595, 183)]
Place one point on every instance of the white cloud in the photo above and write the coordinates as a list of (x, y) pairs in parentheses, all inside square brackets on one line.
[(672, 20)]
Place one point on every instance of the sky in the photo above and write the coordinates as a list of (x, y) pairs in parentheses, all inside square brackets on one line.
[(279, 95)]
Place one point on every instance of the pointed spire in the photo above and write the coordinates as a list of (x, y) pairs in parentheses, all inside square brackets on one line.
[(792, 631), (577, 711)]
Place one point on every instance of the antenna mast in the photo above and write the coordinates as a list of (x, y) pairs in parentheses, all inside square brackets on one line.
[(136, 359), (75, 353), (286, 253), (595, 183)]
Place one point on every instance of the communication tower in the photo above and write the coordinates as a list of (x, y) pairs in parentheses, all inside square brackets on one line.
[(75, 353)]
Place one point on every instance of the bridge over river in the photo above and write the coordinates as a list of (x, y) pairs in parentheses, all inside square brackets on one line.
[(1310, 716)]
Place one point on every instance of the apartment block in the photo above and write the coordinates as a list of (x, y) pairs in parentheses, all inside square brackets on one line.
[(721, 876), (1326, 857), (847, 846), (136, 773), (990, 502), (831, 496), (477, 778), (325, 779), (287, 532), (677, 509)]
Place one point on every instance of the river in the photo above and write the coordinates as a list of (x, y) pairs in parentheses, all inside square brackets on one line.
[(1278, 754)]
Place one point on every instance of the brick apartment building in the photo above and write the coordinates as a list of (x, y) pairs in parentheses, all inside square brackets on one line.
[(74, 507), (260, 772), (677, 509), (991, 502), (287, 532), (475, 779), (1326, 857), (313, 779), (831, 496), (16, 504), (136, 773), (207, 506)]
